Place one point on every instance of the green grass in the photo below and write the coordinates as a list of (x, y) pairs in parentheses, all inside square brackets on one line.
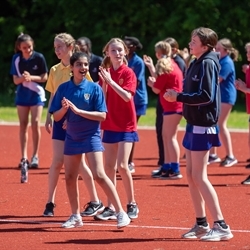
[(238, 118)]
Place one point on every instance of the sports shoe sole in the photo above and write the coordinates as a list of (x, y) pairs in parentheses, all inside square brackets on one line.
[(123, 224), (177, 177), (245, 182), (72, 226), (230, 164), (48, 215), (106, 218), (223, 238)]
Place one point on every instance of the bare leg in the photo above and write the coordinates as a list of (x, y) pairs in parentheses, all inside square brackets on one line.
[(87, 176), (36, 113), (95, 160), (23, 115), (224, 132), (55, 168), (71, 163), (200, 187), (169, 134)]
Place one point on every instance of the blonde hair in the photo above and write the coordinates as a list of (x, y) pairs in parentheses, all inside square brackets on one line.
[(68, 40), (106, 63), (164, 48), (247, 46), (165, 64), (227, 46)]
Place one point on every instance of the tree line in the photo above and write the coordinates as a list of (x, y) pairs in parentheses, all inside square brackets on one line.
[(148, 20)]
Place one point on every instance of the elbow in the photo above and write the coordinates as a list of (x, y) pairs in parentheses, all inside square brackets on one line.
[(44, 78), (103, 116)]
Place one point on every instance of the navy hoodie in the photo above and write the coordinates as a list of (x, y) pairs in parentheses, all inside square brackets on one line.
[(201, 92)]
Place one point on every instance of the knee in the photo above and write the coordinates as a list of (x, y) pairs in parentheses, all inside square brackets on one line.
[(70, 179), (57, 164)]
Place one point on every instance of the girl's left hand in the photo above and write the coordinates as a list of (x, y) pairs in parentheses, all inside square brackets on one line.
[(26, 76), (105, 75), (73, 107), (65, 103), (170, 95), (64, 126), (151, 81), (239, 84)]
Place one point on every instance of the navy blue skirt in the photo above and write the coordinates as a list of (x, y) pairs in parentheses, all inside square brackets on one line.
[(115, 137), (199, 138)]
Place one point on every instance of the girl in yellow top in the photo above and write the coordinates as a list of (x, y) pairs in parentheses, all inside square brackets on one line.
[(64, 45)]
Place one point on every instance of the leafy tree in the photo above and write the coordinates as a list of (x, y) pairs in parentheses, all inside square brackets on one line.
[(149, 20)]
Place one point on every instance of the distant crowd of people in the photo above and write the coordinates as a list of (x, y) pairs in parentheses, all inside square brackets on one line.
[(91, 93)]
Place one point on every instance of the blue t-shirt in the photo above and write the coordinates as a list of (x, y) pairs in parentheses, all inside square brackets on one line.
[(86, 96), (227, 87), (29, 93), (138, 66)]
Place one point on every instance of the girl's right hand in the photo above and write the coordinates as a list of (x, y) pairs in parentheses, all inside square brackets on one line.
[(48, 124), (147, 60), (244, 68)]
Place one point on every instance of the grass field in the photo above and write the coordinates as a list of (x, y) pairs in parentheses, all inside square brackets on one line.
[(238, 118)]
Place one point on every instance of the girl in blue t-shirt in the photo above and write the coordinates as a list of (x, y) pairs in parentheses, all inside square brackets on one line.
[(82, 103), (136, 63), (228, 98), (29, 71)]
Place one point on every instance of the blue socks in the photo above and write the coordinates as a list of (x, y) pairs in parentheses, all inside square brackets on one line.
[(174, 166)]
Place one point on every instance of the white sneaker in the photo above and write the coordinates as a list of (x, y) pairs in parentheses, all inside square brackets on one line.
[(218, 233), (196, 232), (131, 167), (122, 220), (73, 221)]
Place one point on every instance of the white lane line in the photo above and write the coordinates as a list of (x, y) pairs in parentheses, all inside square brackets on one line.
[(107, 225), (4, 123)]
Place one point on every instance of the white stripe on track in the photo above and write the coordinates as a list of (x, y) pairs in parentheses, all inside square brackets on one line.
[(106, 225)]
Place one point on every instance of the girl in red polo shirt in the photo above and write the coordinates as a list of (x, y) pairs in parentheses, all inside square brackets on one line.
[(119, 129), (165, 75)]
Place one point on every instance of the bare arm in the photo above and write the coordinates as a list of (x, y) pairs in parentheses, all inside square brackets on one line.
[(240, 85), (124, 94), (149, 63), (26, 77), (91, 115)]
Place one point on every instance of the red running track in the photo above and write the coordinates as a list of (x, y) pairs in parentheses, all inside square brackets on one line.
[(165, 206)]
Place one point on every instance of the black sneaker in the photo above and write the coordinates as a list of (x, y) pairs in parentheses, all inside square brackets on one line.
[(170, 175), (92, 209), (49, 209), (132, 211), (246, 181), (228, 162), (21, 161), (247, 166), (157, 174), (107, 214)]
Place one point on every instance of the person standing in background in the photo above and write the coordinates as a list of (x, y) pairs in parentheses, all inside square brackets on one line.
[(228, 55), (245, 88), (168, 76), (136, 63), (64, 45), (29, 71), (95, 61)]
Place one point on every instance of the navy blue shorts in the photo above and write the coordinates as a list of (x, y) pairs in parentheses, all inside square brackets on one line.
[(58, 132), (140, 109), (195, 139), (115, 137)]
